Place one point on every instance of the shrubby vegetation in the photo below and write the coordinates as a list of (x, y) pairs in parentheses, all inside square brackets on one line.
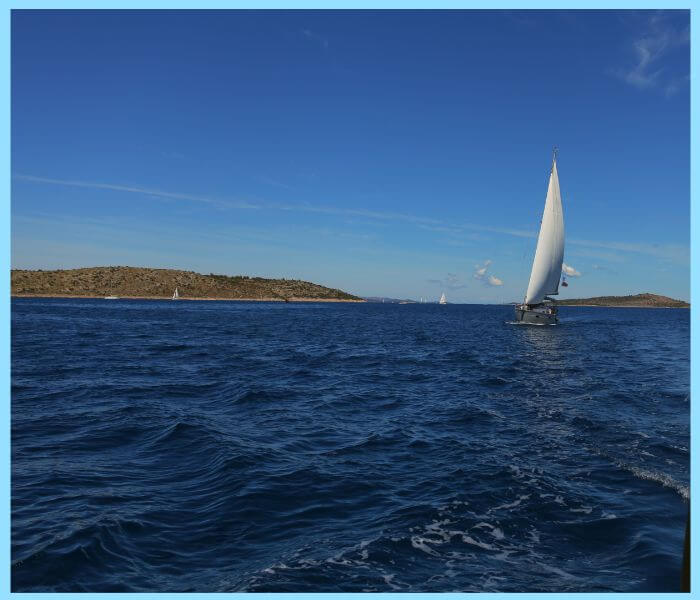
[(160, 283), (641, 300)]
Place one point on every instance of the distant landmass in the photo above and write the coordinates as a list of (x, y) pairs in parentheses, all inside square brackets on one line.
[(638, 300), (138, 282), (385, 300)]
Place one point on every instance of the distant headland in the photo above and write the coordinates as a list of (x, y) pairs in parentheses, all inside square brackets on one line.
[(638, 301), (139, 282)]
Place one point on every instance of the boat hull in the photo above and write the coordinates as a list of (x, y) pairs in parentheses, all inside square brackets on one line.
[(535, 317)]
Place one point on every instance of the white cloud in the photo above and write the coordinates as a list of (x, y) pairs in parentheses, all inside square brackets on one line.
[(658, 38), (138, 190), (569, 270), (480, 274), (495, 280), (481, 270)]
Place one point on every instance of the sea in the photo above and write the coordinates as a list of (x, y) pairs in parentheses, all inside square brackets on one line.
[(194, 446)]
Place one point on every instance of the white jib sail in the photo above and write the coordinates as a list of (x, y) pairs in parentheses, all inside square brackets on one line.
[(549, 255)]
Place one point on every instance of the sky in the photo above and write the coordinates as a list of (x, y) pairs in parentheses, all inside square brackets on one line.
[(385, 153)]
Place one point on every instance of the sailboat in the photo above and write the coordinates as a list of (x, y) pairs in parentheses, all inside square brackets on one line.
[(538, 308), (443, 300), (175, 294)]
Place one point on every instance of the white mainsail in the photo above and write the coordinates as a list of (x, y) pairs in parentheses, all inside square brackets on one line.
[(549, 255), (175, 295), (443, 300)]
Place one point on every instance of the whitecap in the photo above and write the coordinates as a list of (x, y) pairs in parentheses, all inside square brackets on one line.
[(422, 544), (467, 539), (662, 478), (584, 509), (512, 504)]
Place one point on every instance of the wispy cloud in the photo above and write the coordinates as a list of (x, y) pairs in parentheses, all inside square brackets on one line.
[(138, 190), (274, 182), (657, 39), (676, 252), (451, 282), (569, 270), (315, 37), (597, 267), (583, 252), (359, 212)]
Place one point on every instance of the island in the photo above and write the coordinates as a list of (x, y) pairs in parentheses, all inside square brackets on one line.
[(145, 283), (636, 301)]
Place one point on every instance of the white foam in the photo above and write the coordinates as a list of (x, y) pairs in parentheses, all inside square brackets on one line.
[(559, 572), (422, 544), (512, 504), (467, 539), (662, 478), (584, 509), (496, 532)]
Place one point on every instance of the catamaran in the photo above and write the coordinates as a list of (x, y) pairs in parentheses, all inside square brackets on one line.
[(538, 308)]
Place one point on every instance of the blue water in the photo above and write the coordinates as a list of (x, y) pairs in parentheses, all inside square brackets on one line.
[(225, 446)]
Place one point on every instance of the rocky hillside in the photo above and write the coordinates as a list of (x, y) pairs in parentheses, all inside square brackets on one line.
[(160, 283), (639, 300)]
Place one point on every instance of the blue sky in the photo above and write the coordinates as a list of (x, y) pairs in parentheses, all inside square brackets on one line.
[(385, 153)]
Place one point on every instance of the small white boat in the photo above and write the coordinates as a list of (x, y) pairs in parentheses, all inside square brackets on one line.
[(111, 297), (443, 300), (176, 295)]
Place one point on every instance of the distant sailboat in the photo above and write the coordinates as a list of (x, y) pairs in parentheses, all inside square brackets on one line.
[(175, 295), (538, 308), (443, 300)]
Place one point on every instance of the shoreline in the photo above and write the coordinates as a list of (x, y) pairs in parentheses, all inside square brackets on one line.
[(212, 299)]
